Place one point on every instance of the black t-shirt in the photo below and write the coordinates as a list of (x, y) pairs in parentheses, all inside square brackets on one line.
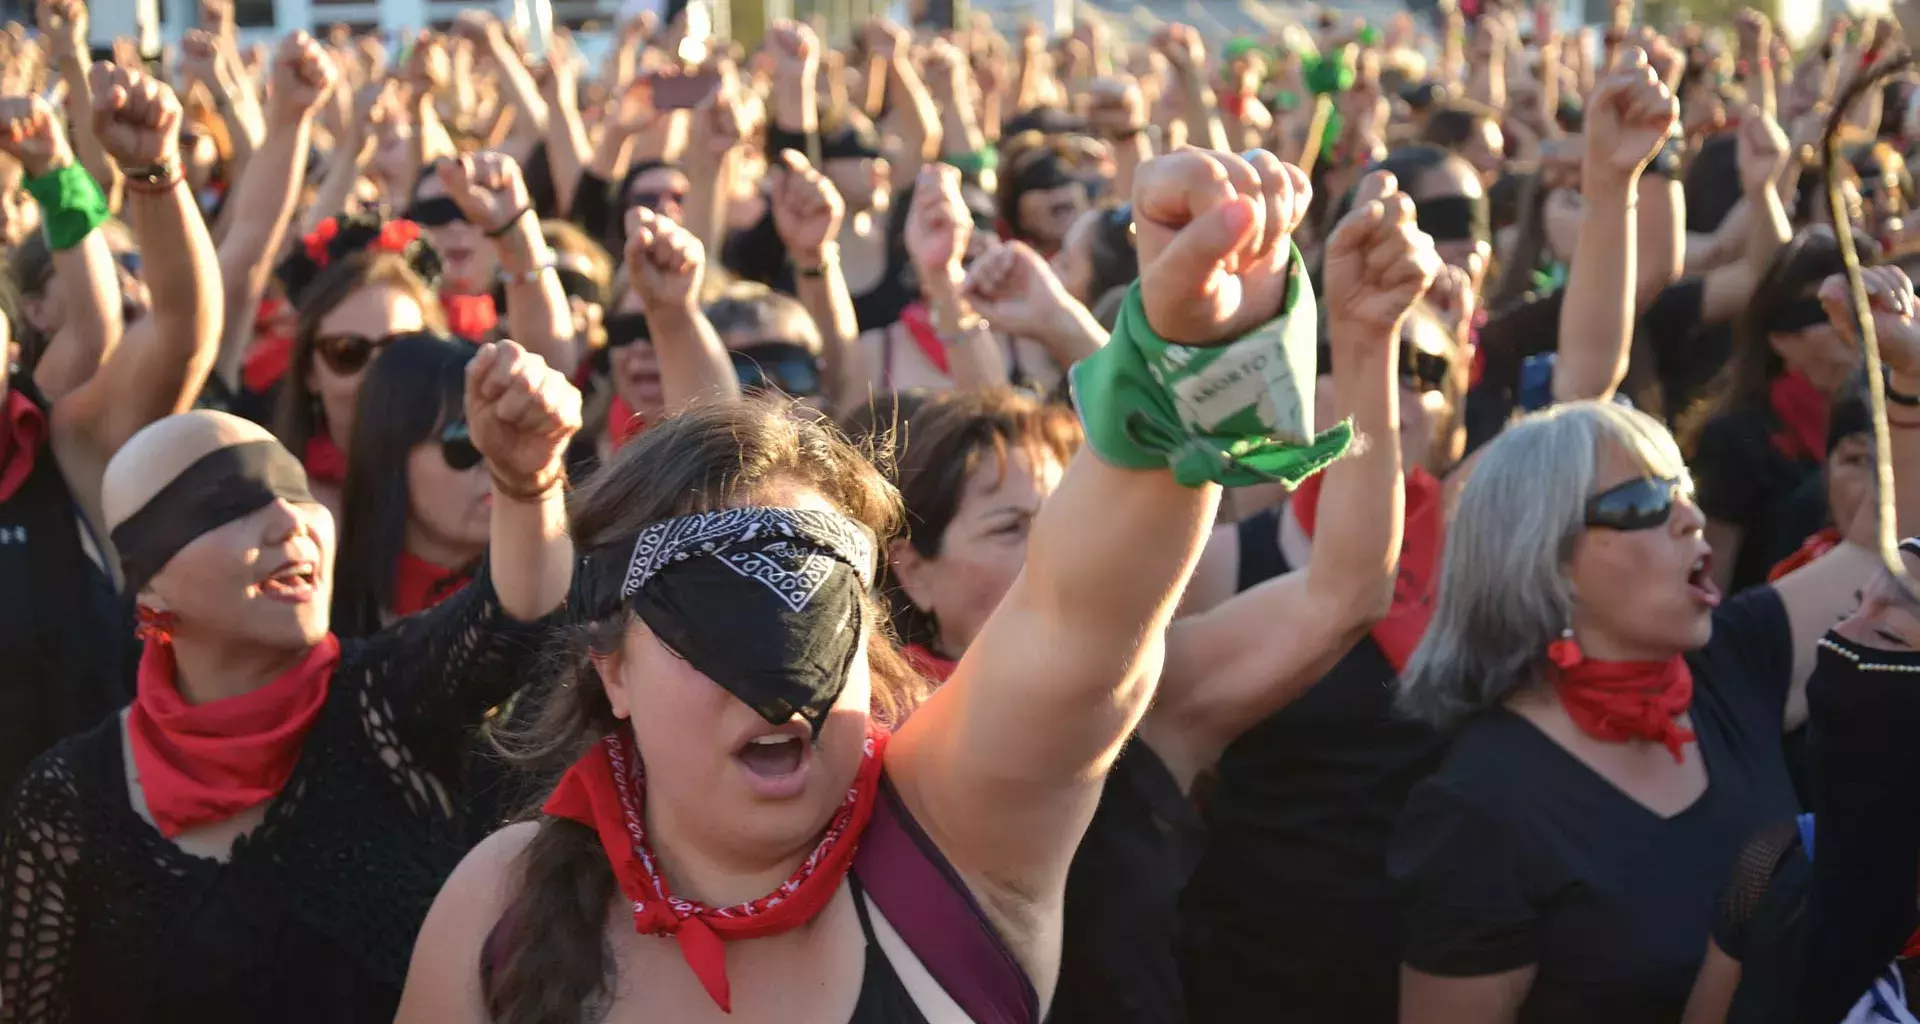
[(1685, 355), (1291, 905), (1745, 481), (1515, 853)]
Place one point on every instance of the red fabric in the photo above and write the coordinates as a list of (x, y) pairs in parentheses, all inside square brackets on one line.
[(266, 362), (1802, 411), (1912, 948), (471, 317), (1233, 104), (23, 428), (1813, 547), (204, 763), (324, 460), (320, 239), (419, 584), (623, 424), (1622, 700), (606, 791), (396, 235), (929, 664), (920, 329), (1423, 531)]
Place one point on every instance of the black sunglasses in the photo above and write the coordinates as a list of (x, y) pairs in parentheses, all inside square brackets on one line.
[(657, 201), (1421, 370), (456, 446), (777, 366), (578, 285), (1644, 503), (434, 213), (347, 354), (624, 329)]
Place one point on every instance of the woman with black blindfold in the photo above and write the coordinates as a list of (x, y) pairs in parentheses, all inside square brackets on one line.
[(1761, 430), (64, 415), (1615, 724), (417, 504), (276, 805), (745, 805)]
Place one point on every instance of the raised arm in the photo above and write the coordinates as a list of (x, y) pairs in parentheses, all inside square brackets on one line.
[(1230, 667), (64, 23), (1628, 119), (31, 133), (1003, 765), (807, 211), (1019, 294), (949, 91), (160, 366), (1763, 152), (522, 413), (490, 190), (568, 149), (939, 229), (916, 117), (665, 264), (353, 147), (517, 86), (263, 202)]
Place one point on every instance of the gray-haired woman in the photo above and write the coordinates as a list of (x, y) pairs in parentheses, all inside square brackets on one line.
[(1617, 725)]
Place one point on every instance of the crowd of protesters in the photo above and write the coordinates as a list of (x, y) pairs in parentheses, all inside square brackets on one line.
[(492, 536)]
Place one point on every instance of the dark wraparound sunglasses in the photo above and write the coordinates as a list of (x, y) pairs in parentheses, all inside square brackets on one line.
[(456, 446), (348, 354), (778, 366), (1645, 503)]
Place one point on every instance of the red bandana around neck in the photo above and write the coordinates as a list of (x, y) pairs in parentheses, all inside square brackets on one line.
[(606, 791), (23, 428), (623, 424), (1423, 531), (419, 584), (928, 664), (1623, 700), (1802, 412), (324, 460), (471, 317), (925, 338), (202, 763)]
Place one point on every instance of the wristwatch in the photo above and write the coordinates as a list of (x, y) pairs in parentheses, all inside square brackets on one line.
[(159, 176)]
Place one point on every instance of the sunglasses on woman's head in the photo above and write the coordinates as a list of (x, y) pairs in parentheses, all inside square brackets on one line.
[(456, 446), (434, 213), (348, 354), (1644, 503)]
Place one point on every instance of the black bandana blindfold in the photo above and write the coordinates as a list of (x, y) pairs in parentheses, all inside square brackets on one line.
[(214, 490), (1454, 219), (766, 602)]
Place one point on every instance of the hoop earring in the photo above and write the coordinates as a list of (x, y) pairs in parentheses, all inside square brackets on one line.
[(154, 625)]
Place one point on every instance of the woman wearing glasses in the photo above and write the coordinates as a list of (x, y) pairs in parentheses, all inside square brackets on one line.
[(417, 502), (1615, 725)]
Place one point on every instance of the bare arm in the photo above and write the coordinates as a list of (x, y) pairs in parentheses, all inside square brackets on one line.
[(694, 367), (1713, 989), (807, 213), (65, 24), (1487, 999), (491, 191), (1763, 152), (522, 413), (1660, 238)]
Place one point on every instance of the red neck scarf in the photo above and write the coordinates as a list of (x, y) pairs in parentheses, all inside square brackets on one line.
[(623, 424), (925, 338), (471, 317), (1823, 541), (1802, 412), (929, 664), (266, 362), (1622, 700), (419, 584), (324, 460), (606, 791), (23, 428), (1422, 533), (202, 763)]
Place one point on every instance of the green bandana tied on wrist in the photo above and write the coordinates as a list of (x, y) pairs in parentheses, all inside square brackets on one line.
[(71, 205), (1235, 415)]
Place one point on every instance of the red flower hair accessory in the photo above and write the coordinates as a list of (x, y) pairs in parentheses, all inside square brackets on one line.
[(396, 235), (319, 239)]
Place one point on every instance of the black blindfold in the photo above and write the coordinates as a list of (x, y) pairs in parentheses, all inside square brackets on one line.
[(214, 490), (1798, 315), (766, 602), (1454, 219)]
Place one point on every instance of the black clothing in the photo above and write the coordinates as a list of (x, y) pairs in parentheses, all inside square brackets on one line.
[(758, 254), (1515, 853), (313, 917), (66, 637), (1745, 481), (883, 998), (1685, 354), (1118, 962), (1290, 910), (1530, 327)]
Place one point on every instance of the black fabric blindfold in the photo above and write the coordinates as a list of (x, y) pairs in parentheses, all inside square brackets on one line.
[(1043, 172), (214, 490), (1799, 315), (1454, 219), (766, 602), (850, 144), (626, 328), (434, 213)]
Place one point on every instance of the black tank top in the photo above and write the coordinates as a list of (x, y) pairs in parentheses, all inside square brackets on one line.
[(883, 998)]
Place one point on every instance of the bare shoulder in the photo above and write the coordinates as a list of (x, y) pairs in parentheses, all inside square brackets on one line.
[(443, 981)]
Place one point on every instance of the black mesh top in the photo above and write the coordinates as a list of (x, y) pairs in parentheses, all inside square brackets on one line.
[(314, 915)]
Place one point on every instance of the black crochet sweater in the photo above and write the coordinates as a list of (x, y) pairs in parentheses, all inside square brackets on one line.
[(313, 917)]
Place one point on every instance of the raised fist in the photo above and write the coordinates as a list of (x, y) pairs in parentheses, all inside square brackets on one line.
[(31, 133), (1118, 107), (521, 413), (1015, 289), (796, 51), (488, 187), (429, 68), (1378, 262), (480, 28), (135, 117), (807, 209), (1763, 150), (1214, 234), (303, 75), (1630, 116), (1891, 301), (665, 262), (939, 225), (64, 23)]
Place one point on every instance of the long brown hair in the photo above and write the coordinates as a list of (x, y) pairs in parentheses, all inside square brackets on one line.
[(296, 418), (549, 957)]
